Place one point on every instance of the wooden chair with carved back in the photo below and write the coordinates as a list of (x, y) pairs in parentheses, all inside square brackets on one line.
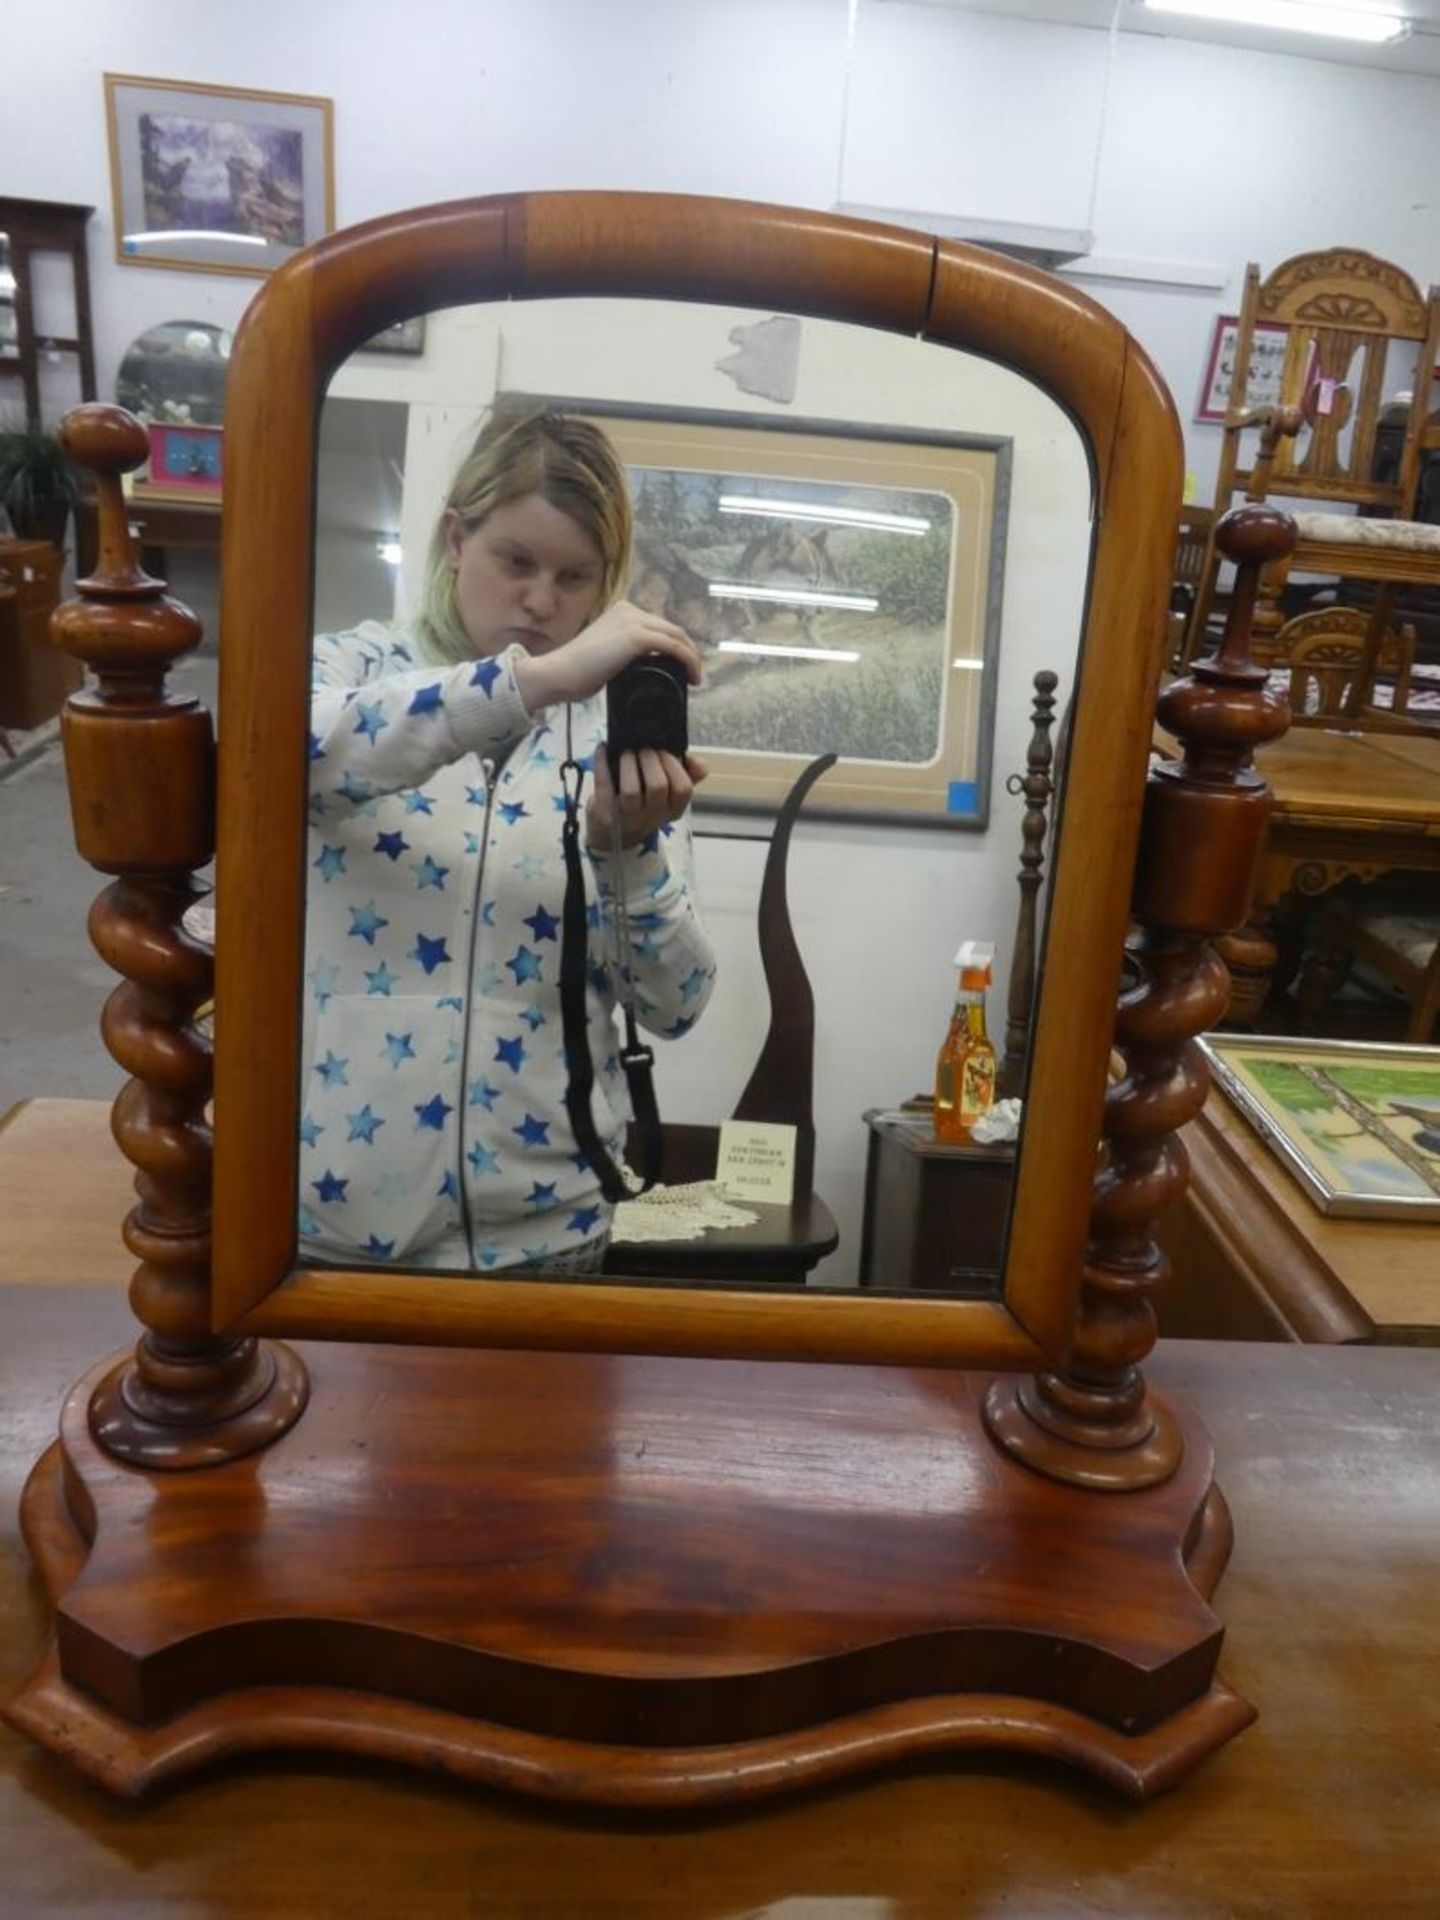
[(1343, 313), (1324, 652)]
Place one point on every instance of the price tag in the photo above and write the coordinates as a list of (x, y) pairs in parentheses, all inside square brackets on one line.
[(756, 1161), (1325, 394)]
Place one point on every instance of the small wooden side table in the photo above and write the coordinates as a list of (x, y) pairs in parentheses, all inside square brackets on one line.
[(935, 1215)]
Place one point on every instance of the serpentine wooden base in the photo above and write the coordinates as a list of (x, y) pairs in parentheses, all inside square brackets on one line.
[(623, 1581)]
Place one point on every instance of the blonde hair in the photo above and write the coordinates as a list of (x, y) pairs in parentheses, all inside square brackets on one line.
[(523, 450)]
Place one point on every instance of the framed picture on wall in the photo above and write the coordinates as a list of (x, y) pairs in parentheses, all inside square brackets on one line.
[(218, 179), (1267, 363), (844, 587)]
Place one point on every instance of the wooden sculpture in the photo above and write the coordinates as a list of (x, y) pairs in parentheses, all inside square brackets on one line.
[(621, 1544)]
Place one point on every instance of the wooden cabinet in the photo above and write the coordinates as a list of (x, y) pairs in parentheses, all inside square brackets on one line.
[(34, 677), (935, 1215)]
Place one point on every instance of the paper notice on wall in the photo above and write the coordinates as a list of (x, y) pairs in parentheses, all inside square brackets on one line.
[(756, 1161)]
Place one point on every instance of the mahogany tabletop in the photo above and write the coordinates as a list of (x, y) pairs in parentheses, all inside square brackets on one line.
[(1330, 1458), (1319, 773)]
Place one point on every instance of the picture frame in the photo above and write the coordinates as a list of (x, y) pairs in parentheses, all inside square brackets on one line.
[(217, 179), (787, 607), (1357, 1123), (1267, 362), (187, 458), (405, 336)]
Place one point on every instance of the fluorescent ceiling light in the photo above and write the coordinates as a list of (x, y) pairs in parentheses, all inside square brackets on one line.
[(832, 516), (793, 596), (1294, 16), (166, 235), (969, 666), (789, 653)]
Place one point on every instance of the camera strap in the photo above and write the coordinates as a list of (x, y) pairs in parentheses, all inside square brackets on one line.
[(635, 1057)]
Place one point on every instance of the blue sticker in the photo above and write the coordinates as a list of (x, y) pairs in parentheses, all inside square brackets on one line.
[(962, 796)]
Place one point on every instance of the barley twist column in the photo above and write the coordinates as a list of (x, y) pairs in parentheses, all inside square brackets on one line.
[(140, 762), (1092, 1421)]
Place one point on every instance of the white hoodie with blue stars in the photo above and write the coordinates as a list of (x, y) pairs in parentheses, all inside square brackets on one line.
[(433, 1129)]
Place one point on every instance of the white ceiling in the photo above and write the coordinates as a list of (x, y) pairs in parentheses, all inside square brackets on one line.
[(1419, 52)]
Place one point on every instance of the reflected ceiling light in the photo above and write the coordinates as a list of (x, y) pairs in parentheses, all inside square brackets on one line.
[(1293, 16), (831, 516), (793, 596), (390, 551), (164, 237), (969, 666), (788, 653)]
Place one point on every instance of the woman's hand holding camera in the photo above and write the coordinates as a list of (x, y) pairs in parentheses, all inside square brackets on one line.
[(655, 788), (624, 632)]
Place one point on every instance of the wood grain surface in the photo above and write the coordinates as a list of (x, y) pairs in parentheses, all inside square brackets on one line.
[(1325, 1809)]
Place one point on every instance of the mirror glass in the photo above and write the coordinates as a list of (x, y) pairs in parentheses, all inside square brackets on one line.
[(174, 374), (875, 544), (9, 326)]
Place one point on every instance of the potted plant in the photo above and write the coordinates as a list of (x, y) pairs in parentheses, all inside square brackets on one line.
[(37, 483)]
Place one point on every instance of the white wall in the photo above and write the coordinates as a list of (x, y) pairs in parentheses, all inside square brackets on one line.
[(1193, 154)]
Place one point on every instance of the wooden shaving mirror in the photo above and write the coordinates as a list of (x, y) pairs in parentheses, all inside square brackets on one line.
[(610, 1542)]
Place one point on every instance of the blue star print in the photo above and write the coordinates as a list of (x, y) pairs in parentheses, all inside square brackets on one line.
[(310, 1132), (324, 977), (352, 787), (513, 810), (449, 1188), (482, 1094), (427, 700), (429, 873), (525, 965), (585, 1221), (475, 796), (482, 1160), (535, 1133), (430, 953), (379, 1249), (417, 802), (485, 676), (332, 1069), (451, 1000), (432, 1113), (366, 922), (398, 1047), (510, 1053), (540, 1196), (331, 862), (392, 845), (487, 913), (530, 867), (317, 752), (371, 721), (532, 1017), (364, 1125), (330, 1187), (381, 980), (692, 983), (307, 1222), (543, 925)]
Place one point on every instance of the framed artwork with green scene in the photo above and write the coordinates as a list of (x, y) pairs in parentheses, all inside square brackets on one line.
[(844, 588), (1358, 1124)]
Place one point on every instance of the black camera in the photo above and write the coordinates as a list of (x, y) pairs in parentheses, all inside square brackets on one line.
[(645, 707)]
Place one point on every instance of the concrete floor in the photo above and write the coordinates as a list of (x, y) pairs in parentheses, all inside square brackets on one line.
[(52, 982)]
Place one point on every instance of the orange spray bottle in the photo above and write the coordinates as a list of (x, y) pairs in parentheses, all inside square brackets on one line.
[(965, 1070)]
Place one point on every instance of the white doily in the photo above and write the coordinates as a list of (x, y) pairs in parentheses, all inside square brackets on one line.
[(677, 1213)]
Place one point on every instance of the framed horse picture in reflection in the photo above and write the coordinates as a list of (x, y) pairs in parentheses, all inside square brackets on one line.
[(611, 1542)]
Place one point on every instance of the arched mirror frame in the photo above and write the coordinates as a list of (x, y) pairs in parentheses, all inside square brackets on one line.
[(307, 319)]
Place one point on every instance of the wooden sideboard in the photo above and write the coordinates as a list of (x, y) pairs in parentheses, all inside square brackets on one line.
[(35, 677), (1253, 1258)]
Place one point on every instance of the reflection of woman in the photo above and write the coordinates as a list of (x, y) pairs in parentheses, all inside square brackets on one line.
[(434, 1128)]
